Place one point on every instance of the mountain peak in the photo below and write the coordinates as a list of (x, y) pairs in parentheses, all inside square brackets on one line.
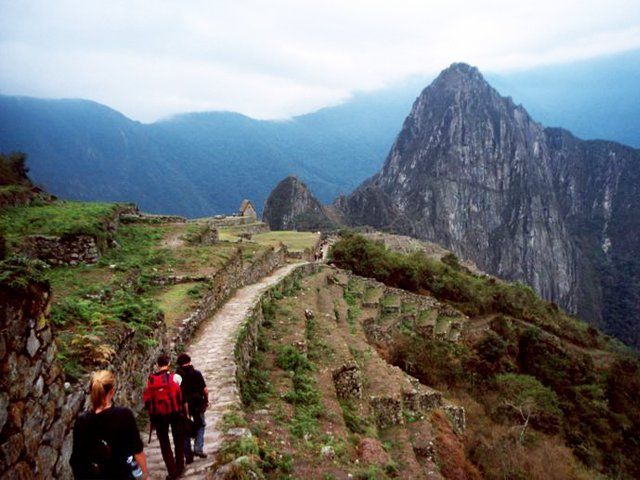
[(291, 206), (459, 75)]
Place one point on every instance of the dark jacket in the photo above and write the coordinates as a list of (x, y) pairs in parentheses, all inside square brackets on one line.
[(193, 386)]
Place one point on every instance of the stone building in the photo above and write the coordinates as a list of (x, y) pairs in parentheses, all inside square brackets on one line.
[(247, 211)]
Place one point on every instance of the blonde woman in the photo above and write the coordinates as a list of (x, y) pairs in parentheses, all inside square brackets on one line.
[(106, 441)]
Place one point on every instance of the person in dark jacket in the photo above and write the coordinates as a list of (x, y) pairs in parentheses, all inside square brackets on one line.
[(106, 440), (196, 399)]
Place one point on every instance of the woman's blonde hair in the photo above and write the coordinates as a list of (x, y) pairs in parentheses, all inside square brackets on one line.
[(102, 382)]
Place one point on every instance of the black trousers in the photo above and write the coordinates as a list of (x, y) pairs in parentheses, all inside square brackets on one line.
[(175, 465)]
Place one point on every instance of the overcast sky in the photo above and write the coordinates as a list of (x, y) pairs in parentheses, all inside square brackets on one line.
[(277, 58)]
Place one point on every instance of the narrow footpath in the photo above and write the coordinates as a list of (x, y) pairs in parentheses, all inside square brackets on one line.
[(212, 353)]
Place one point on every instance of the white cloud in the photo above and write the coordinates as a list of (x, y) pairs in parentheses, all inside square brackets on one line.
[(150, 59)]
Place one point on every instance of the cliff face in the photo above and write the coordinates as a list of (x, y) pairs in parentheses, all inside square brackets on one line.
[(291, 206), (472, 171)]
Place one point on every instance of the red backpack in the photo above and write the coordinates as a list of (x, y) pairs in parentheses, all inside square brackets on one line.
[(162, 395)]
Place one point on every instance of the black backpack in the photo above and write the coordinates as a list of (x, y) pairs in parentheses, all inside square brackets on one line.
[(99, 461)]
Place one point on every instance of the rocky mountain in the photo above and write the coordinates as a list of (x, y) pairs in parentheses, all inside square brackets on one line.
[(291, 206), (192, 164), (472, 171)]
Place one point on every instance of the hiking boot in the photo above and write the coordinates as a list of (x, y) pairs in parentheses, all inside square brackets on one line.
[(200, 454)]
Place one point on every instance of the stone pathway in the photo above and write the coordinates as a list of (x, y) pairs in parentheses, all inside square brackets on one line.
[(212, 353)]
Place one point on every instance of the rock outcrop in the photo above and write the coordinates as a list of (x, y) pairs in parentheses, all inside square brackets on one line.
[(291, 206), (471, 171)]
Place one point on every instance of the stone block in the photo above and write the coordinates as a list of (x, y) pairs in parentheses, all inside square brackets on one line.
[(45, 461), (371, 452), (12, 448), (457, 417), (20, 471), (4, 412)]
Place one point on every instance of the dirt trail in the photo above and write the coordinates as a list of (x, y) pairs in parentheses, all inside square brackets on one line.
[(212, 353)]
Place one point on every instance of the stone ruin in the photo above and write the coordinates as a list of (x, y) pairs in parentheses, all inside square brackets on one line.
[(209, 234), (61, 250), (348, 381), (386, 410), (421, 400)]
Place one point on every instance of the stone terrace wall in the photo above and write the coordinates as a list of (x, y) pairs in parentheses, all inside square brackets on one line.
[(32, 394), (72, 249), (235, 274), (231, 221), (36, 414), (67, 249)]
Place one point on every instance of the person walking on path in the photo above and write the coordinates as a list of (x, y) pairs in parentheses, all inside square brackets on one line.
[(196, 400), (162, 398), (106, 440)]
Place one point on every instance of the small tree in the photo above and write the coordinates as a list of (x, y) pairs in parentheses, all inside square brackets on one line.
[(530, 401)]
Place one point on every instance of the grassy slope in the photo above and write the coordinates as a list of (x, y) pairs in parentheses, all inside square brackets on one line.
[(95, 305), (593, 414), (295, 241), (58, 218)]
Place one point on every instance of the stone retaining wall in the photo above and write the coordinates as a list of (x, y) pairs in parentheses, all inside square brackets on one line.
[(139, 217), (247, 343), (73, 248), (66, 249), (37, 413), (231, 221)]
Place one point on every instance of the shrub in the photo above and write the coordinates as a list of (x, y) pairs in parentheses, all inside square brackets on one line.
[(525, 400), (291, 359)]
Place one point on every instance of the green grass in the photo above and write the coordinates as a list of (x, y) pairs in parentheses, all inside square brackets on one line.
[(427, 317), (294, 241), (58, 218), (304, 394), (177, 301), (372, 293), (390, 301), (442, 323)]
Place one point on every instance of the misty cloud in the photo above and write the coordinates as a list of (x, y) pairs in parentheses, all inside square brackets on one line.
[(275, 59)]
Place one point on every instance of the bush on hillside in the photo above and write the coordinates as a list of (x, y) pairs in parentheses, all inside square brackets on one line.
[(13, 169)]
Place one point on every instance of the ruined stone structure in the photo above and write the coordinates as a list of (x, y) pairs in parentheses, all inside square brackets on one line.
[(61, 250), (347, 381)]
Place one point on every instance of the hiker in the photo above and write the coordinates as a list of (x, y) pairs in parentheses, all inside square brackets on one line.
[(106, 441), (162, 398), (196, 399)]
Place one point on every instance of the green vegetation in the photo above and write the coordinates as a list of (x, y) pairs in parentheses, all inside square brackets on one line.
[(355, 422), (177, 300), (537, 382), (294, 241), (18, 272), (96, 306), (58, 218), (472, 294), (255, 386)]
